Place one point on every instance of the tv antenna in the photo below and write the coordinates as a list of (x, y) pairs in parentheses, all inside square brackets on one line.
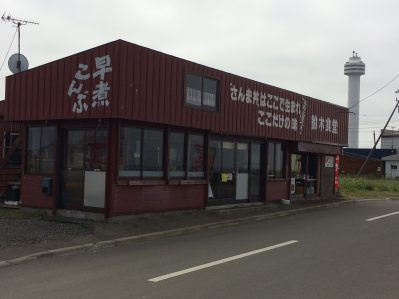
[(18, 23)]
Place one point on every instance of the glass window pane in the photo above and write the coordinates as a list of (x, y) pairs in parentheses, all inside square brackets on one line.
[(193, 89), (130, 152), (255, 158), (215, 167), (96, 150), (152, 153), (270, 159), (48, 148), (176, 154), (279, 161), (254, 180), (75, 149), (210, 93), (228, 157), (196, 156), (242, 157), (296, 165), (215, 157), (33, 151)]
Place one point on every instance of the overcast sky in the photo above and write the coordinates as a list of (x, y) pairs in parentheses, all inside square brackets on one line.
[(297, 45)]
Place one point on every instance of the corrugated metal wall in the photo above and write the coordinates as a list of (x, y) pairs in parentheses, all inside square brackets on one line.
[(147, 85)]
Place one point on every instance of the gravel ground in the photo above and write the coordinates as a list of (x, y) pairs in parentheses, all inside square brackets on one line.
[(17, 232)]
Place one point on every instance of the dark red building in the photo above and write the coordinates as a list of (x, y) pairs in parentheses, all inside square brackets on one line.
[(122, 129)]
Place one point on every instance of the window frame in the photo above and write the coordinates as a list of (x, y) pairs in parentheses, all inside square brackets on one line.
[(184, 171), (165, 154), (39, 171), (141, 176), (191, 174), (274, 161), (202, 106)]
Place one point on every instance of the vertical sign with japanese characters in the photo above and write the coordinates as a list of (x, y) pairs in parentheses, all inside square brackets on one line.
[(85, 99), (336, 174)]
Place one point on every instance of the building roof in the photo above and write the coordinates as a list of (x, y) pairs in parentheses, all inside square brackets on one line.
[(377, 154), (391, 158), (390, 133)]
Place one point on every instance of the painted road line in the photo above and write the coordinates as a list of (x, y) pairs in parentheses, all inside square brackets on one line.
[(382, 216), (222, 261)]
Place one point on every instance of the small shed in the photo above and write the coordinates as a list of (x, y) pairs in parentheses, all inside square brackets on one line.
[(391, 166)]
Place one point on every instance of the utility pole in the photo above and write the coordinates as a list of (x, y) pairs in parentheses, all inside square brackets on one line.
[(18, 22), (374, 136), (379, 137)]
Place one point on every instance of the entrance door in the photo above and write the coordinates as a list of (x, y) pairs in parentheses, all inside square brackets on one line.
[(228, 170), (230, 174), (84, 169)]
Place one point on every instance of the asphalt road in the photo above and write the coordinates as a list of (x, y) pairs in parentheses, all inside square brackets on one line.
[(331, 253)]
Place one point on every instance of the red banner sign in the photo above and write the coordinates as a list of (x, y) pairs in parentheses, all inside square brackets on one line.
[(336, 173)]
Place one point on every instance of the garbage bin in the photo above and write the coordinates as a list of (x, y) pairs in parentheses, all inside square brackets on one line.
[(13, 191)]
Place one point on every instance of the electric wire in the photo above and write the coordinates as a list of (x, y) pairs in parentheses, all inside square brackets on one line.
[(9, 48), (375, 92)]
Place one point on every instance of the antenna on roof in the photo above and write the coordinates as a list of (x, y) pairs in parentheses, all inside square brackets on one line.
[(18, 22)]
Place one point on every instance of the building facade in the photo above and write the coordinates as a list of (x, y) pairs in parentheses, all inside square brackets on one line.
[(123, 129)]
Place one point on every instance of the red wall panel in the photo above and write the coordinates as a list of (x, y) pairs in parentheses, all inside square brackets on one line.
[(32, 195), (147, 199), (277, 190), (147, 85)]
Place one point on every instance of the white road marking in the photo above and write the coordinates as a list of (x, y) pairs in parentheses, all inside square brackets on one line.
[(222, 261), (382, 216)]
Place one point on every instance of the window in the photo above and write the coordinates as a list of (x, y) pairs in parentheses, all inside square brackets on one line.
[(176, 155), (141, 153), (41, 150), (8, 142), (196, 156), (228, 156), (96, 150), (242, 157), (275, 160), (87, 150), (75, 150), (201, 92), (209, 93), (394, 167), (152, 153), (130, 152), (186, 160), (254, 181)]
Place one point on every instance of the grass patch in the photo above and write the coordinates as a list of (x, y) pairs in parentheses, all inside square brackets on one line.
[(354, 186)]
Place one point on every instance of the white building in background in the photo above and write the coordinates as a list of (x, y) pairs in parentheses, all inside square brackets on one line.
[(354, 68), (390, 140), (391, 166)]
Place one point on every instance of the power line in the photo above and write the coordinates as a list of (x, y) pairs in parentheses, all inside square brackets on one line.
[(375, 92), (8, 51)]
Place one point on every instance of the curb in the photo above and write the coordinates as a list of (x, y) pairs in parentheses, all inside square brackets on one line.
[(166, 233)]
